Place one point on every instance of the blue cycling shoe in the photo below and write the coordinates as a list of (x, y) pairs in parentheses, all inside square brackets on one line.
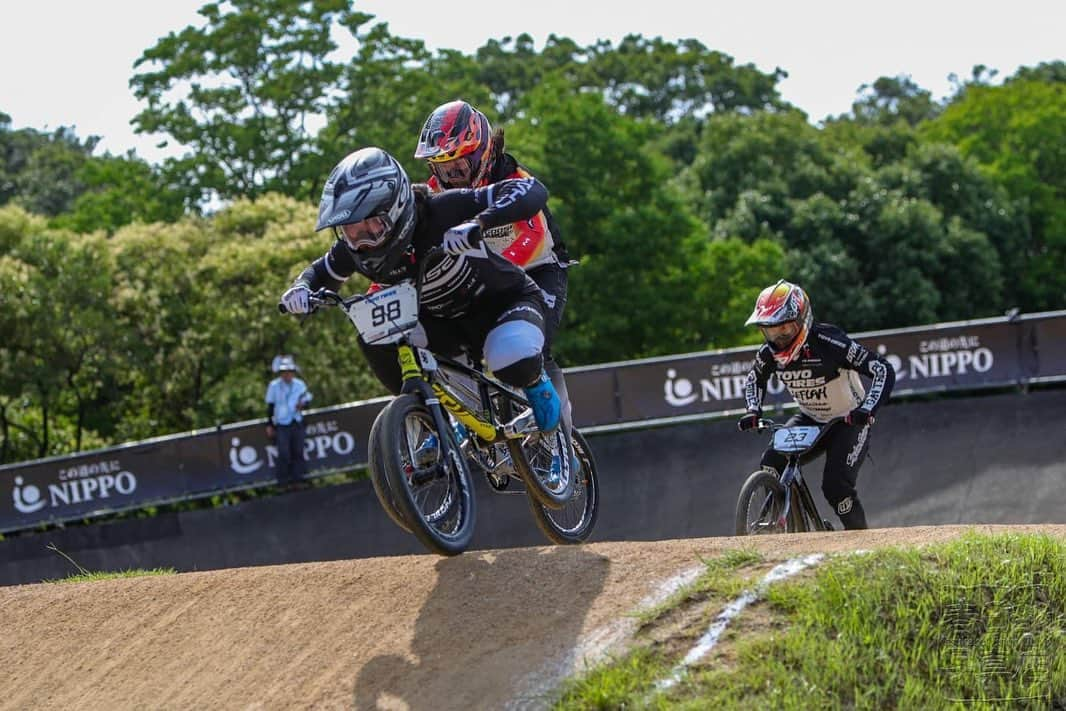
[(545, 403)]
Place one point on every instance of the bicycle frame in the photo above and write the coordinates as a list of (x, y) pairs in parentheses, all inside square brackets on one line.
[(794, 484)]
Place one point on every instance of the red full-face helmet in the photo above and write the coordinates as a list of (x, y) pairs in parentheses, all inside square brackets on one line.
[(456, 142), (783, 313)]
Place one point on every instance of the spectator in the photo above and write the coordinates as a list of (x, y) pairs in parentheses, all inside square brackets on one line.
[(286, 397)]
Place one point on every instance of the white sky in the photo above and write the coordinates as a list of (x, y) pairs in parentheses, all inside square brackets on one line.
[(68, 62)]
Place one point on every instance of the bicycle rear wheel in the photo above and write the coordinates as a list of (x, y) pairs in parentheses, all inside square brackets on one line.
[(434, 496), (573, 523), (761, 505)]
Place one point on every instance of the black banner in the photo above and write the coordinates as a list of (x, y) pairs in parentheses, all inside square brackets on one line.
[(955, 356), (172, 468)]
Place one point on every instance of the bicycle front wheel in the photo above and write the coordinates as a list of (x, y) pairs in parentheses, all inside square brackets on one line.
[(761, 506), (573, 523), (430, 484)]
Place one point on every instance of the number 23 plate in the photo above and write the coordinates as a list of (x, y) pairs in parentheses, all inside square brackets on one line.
[(385, 315)]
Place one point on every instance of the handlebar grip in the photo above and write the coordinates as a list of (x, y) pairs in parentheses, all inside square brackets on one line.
[(282, 308)]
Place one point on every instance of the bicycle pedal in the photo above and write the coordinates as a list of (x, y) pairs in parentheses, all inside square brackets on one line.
[(497, 481), (521, 424)]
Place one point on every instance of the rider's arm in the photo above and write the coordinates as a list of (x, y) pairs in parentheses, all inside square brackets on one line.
[(330, 270), (755, 386), (510, 200), (854, 356)]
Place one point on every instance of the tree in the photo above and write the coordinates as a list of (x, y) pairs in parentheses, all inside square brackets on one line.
[(1017, 134), (893, 99), (258, 75)]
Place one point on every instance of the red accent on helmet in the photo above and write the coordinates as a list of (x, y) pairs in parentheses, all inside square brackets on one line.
[(457, 130), (779, 304)]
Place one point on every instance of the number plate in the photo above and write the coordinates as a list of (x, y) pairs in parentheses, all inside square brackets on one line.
[(795, 439), (384, 316)]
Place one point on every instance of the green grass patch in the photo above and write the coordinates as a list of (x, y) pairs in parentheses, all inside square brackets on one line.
[(91, 576), (720, 577), (978, 623)]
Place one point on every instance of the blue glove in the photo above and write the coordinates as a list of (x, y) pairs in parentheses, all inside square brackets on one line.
[(859, 417), (462, 238)]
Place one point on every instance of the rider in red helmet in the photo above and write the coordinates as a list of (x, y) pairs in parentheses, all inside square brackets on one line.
[(462, 151), (820, 366)]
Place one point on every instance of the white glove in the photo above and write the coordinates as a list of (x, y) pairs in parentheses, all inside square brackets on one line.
[(295, 299), (461, 238)]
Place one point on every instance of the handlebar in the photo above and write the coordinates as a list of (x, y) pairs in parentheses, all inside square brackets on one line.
[(326, 297), (323, 297)]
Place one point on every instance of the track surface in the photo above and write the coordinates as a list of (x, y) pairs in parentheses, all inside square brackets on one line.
[(485, 630)]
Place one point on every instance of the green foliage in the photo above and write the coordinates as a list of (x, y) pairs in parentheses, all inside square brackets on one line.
[(257, 72), (1017, 133), (160, 328)]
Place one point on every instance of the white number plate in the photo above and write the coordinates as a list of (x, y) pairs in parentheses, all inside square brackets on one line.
[(795, 439), (386, 315)]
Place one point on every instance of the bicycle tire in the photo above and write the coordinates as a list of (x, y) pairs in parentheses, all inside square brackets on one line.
[(765, 481), (398, 458), (587, 483), (378, 479), (531, 456)]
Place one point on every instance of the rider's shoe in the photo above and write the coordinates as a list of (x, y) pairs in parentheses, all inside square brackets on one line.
[(427, 452), (545, 403)]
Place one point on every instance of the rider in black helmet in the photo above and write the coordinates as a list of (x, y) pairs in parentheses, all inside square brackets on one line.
[(473, 300)]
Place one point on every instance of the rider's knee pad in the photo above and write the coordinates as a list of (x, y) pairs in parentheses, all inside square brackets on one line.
[(511, 343)]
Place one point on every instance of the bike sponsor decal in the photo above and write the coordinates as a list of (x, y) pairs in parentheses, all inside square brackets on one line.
[(80, 484), (322, 441)]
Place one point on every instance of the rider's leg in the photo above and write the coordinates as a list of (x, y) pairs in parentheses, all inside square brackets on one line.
[(845, 451), (513, 352), (553, 282)]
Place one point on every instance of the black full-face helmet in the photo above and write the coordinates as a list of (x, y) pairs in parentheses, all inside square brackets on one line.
[(368, 203)]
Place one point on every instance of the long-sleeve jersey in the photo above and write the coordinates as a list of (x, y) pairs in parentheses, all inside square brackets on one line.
[(453, 286), (530, 242), (824, 378)]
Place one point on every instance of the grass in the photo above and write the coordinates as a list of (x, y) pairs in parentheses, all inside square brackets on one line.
[(978, 623), (88, 576)]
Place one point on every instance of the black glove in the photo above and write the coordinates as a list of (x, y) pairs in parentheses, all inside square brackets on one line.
[(749, 421), (859, 417)]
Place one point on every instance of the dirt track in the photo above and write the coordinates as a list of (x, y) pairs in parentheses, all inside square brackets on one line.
[(484, 630)]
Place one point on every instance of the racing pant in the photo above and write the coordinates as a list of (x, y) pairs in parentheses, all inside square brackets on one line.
[(553, 282), (845, 449), (511, 339)]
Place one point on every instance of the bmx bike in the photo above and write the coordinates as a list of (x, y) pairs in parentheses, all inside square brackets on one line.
[(772, 504)]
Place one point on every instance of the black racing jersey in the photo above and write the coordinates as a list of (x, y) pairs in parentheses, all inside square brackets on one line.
[(823, 379), (477, 280)]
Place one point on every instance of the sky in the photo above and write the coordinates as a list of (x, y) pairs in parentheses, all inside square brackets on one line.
[(68, 62)]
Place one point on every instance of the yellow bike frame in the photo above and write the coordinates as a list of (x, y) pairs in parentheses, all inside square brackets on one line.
[(410, 369)]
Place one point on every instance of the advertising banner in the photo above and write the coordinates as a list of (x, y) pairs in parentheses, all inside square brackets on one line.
[(955, 356)]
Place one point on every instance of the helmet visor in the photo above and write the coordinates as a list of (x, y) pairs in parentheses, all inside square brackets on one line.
[(454, 173), (367, 234), (782, 335)]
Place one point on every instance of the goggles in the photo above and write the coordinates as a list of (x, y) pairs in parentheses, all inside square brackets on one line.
[(367, 234), (782, 335)]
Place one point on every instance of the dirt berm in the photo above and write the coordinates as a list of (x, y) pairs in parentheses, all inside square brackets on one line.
[(488, 630)]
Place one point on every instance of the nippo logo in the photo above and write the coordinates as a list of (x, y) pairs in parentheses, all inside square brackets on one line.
[(323, 439), (27, 497), (76, 485)]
